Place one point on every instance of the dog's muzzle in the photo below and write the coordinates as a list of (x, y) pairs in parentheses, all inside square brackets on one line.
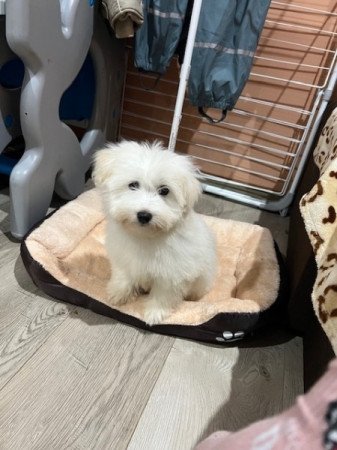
[(144, 217)]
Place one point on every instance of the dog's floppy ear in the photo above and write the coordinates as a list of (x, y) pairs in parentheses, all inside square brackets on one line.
[(192, 190), (103, 165), (191, 185)]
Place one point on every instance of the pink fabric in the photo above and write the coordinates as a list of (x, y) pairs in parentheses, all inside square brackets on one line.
[(300, 427)]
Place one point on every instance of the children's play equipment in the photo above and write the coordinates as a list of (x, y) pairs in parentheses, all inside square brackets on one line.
[(11, 71), (53, 52)]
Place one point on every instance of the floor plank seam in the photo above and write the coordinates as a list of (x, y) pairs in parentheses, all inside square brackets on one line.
[(33, 295), (146, 403)]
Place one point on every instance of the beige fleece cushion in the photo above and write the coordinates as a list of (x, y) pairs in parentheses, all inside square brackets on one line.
[(70, 246)]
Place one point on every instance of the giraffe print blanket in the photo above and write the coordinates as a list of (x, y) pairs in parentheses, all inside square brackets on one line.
[(318, 209)]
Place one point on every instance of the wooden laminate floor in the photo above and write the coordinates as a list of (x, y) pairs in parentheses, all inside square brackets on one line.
[(70, 379)]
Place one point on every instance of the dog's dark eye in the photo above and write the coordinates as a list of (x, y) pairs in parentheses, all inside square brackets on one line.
[(163, 190), (134, 185)]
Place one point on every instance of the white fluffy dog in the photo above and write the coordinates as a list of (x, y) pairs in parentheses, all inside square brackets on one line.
[(157, 244)]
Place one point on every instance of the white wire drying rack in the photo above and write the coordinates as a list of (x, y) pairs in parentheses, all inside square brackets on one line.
[(257, 155)]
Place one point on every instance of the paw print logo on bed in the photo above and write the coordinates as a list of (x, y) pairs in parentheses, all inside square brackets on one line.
[(229, 336)]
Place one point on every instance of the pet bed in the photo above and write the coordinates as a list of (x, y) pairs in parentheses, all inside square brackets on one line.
[(66, 258)]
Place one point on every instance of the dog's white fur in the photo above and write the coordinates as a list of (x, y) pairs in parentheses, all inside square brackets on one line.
[(173, 256)]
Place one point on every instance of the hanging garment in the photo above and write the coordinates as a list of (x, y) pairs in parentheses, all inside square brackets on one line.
[(158, 37), (124, 16), (227, 37), (226, 40)]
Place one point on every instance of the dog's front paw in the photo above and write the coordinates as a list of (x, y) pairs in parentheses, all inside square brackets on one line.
[(117, 300), (154, 315), (118, 294)]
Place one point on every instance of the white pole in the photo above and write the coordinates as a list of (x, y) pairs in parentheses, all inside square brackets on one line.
[(184, 73)]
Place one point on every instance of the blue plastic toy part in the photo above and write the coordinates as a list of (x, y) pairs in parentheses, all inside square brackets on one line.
[(76, 103), (78, 100), (6, 164), (9, 121), (12, 73)]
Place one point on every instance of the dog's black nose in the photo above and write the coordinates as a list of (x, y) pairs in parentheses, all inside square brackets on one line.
[(144, 217)]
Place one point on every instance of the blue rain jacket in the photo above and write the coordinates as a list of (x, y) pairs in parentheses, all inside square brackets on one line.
[(227, 37)]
